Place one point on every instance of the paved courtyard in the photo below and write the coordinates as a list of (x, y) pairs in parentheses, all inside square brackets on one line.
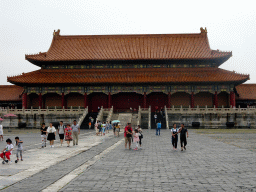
[(208, 164)]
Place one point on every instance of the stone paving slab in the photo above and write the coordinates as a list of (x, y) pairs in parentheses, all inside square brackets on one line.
[(43, 167), (206, 165)]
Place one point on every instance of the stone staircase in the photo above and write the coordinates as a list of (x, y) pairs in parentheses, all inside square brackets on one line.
[(124, 118), (144, 121), (114, 116), (134, 120)]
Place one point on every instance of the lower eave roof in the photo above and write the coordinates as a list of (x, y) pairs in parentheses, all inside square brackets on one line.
[(246, 91), (129, 76), (10, 93)]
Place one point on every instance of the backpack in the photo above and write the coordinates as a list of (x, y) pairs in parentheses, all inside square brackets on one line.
[(99, 125)]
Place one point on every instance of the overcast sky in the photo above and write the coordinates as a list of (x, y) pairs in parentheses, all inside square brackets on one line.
[(26, 26)]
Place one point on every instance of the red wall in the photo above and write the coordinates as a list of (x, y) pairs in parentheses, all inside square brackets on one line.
[(181, 98), (157, 101), (127, 100), (97, 99), (74, 100), (203, 98)]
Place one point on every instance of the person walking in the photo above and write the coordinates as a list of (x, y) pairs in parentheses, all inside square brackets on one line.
[(174, 131), (51, 131), (118, 129), (1, 132), (155, 117), (128, 135), (43, 135), (76, 131), (61, 129), (19, 149), (96, 128), (68, 134), (140, 135), (103, 128), (136, 139), (183, 140), (158, 128)]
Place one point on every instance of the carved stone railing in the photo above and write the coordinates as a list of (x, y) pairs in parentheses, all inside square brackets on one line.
[(139, 116), (39, 111), (149, 117), (110, 114), (214, 110), (166, 117), (81, 119), (100, 114)]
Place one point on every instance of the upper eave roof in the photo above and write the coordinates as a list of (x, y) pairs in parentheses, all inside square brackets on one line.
[(129, 47), (128, 76), (246, 91), (10, 93)]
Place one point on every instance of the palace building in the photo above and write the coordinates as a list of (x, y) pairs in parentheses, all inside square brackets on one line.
[(128, 71)]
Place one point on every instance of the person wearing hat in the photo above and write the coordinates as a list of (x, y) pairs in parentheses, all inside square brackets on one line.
[(76, 131)]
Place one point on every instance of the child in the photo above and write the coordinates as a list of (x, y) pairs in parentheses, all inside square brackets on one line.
[(68, 134), (19, 149), (136, 139), (7, 151), (1, 133), (103, 128)]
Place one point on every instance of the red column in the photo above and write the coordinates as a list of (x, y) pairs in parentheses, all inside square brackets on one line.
[(169, 100), (192, 104), (40, 100), (232, 99), (216, 100), (24, 100), (145, 100), (85, 100), (62, 100), (109, 100)]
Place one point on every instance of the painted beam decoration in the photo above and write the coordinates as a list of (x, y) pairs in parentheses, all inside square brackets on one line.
[(118, 89), (181, 88), (204, 88), (96, 89), (33, 90), (137, 89), (162, 89), (76, 89), (46, 90)]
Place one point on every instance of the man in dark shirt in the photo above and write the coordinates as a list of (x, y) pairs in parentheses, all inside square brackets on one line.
[(183, 140)]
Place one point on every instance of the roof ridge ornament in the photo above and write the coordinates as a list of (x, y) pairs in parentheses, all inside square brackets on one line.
[(203, 30), (56, 33)]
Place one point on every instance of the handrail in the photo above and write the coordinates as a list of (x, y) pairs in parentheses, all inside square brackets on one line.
[(139, 116), (100, 114), (149, 117), (166, 117), (81, 119), (110, 114), (40, 111)]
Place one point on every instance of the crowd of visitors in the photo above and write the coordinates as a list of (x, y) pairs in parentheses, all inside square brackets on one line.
[(67, 132)]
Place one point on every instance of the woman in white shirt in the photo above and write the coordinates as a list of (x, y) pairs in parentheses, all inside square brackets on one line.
[(51, 132), (174, 136)]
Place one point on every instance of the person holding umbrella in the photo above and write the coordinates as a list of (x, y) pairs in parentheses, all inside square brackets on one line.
[(116, 127)]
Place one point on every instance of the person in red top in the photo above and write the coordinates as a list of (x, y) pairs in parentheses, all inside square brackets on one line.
[(128, 135)]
